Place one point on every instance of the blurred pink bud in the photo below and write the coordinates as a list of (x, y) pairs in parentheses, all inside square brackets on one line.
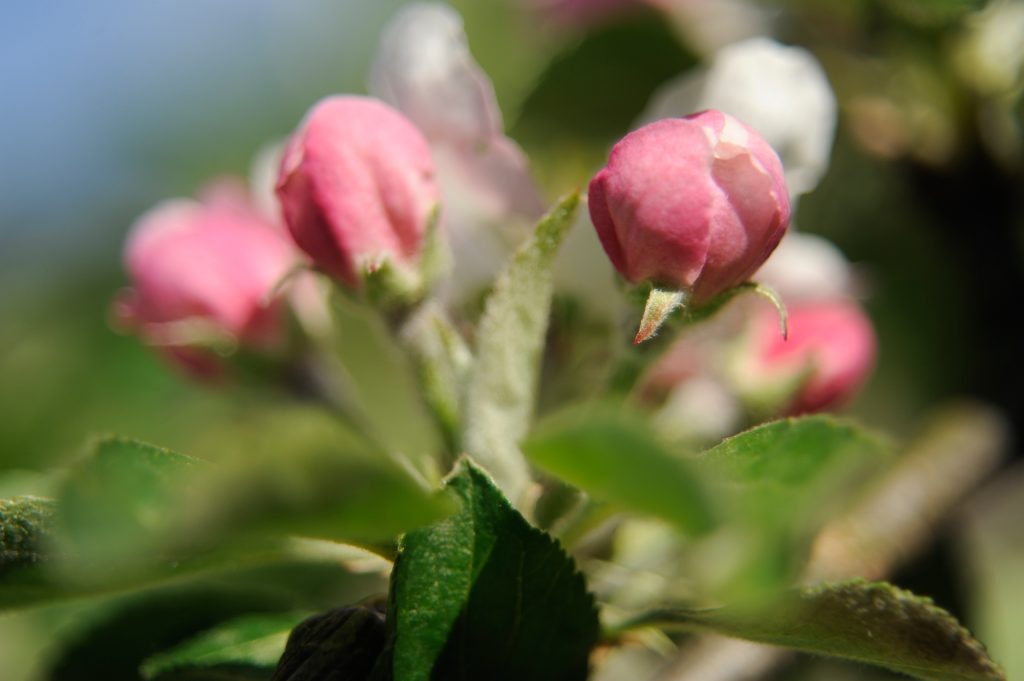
[(202, 273), (357, 187), (695, 203), (830, 351)]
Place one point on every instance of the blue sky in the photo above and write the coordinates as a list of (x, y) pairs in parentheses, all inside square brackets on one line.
[(104, 103)]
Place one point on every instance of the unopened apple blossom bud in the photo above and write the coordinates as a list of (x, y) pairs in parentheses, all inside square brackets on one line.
[(825, 361), (693, 204), (203, 274), (357, 189)]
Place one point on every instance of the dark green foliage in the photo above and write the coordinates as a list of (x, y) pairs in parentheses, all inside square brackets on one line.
[(483, 595)]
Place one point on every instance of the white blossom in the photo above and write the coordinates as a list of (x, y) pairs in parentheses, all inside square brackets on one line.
[(424, 68), (709, 25), (807, 267)]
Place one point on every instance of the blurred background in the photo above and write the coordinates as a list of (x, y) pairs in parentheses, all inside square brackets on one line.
[(108, 107)]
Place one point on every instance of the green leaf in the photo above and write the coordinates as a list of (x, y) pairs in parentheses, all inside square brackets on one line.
[(869, 622), (300, 472), (572, 101), (118, 504), (250, 641), (797, 469), (615, 457), (26, 552), (932, 13), (483, 595), (118, 635), (317, 492), (442, 362), (131, 506), (111, 634), (343, 644), (24, 532), (380, 386), (503, 383), (779, 483)]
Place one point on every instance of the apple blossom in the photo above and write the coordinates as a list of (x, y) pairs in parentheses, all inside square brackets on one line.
[(807, 267), (202, 272), (357, 188), (695, 204), (709, 25), (825, 361), (423, 67)]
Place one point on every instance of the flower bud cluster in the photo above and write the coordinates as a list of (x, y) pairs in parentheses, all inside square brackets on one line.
[(694, 205)]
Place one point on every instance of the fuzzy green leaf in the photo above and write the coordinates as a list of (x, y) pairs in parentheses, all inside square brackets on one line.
[(24, 532), (615, 457), (869, 622), (483, 595), (26, 525), (503, 383)]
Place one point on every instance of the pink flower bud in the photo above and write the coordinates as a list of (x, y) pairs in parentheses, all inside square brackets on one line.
[(695, 204), (202, 272), (357, 187), (829, 354)]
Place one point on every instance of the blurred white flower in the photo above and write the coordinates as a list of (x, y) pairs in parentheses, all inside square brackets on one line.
[(423, 67), (806, 267), (780, 91), (263, 172), (700, 408), (709, 25)]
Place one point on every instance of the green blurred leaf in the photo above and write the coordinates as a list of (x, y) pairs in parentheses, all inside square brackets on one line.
[(343, 644), (110, 635), (869, 622), (380, 383), (442, 361), (594, 90), (614, 456), (118, 505), (131, 506), (119, 636), (796, 470), (779, 483), (254, 641), (931, 13), (503, 382), (315, 491), (991, 550), (484, 595)]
